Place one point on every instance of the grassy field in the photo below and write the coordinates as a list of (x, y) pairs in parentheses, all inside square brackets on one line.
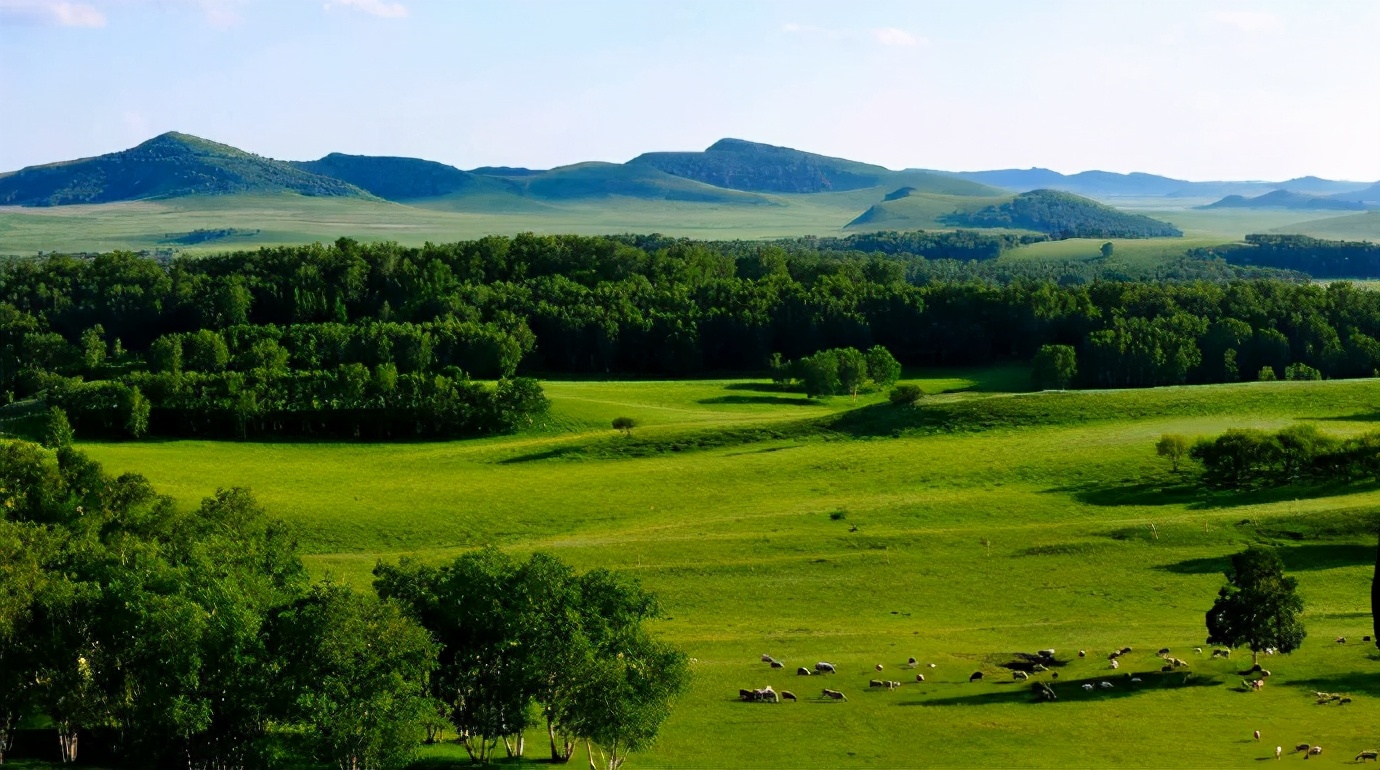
[(1132, 252), (982, 523)]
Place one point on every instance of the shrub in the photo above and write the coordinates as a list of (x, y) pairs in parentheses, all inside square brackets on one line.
[(905, 395), (1267, 374), (1054, 367), (1301, 372), (59, 432), (625, 424)]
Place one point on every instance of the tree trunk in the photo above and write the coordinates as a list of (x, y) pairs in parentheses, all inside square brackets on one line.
[(67, 742), (589, 752), (1375, 598)]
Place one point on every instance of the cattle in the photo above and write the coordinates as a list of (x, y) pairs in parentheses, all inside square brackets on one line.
[(892, 685), (788, 695), (833, 695), (1019, 675), (1054, 675), (1316, 751), (1264, 672), (1197, 650), (932, 665), (919, 677), (976, 677), (1039, 668), (1221, 653), (824, 668), (746, 695), (777, 664), (1125, 650), (1365, 638), (768, 694), (1343, 701), (1047, 653), (1369, 754), (1165, 669), (1114, 654), (1177, 662), (1088, 687), (802, 671), (1044, 692)]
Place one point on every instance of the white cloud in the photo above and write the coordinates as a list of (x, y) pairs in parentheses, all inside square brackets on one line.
[(1250, 21), (894, 36), (62, 14), (382, 8)]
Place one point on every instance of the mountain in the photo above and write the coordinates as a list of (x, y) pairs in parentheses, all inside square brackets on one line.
[(399, 179), (166, 166), (603, 180), (1285, 199), (749, 166), (1107, 184), (1063, 215), (1366, 195)]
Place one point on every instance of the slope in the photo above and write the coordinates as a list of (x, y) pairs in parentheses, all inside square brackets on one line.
[(1063, 215), (602, 180), (1107, 184), (166, 166), (399, 179), (1286, 199), (741, 165), (906, 209)]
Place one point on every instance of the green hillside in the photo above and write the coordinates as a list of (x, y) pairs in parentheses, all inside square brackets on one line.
[(741, 165), (1063, 215), (600, 180), (1364, 226), (399, 179), (170, 165), (906, 209)]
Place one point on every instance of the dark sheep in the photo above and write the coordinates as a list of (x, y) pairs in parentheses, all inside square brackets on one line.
[(834, 695), (802, 671), (824, 668), (1363, 756), (876, 683), (777, 664), (788, 695), (976, 677)]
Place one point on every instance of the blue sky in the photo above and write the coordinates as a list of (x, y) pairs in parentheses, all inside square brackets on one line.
[(1203, 89)]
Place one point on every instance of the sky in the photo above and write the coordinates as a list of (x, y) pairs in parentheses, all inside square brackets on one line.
[(1200, 89)]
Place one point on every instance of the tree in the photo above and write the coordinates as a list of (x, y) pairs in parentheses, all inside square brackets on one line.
[(852, 368), (1301, 371), (138, 408), (1055, 367), (1267, 374), (165, 354), (358, 669), (205, 351), (820, 374), (1107, 249), (905, 395), (59, 433), (93, 348), (1173, 448), (1258, 607), (882, 367), (625, 424)]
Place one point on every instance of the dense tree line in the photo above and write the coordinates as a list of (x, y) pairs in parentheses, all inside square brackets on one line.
[(164, 637), (843, 370), (1247, 457), (364, 331), (1316, 257)]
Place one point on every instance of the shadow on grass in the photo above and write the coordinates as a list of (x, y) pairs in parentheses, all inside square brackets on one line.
[(1346, 684), (770, 400), (762, 387), (1071, 690), (1306, 557), (1364, 417), (1194, 496)]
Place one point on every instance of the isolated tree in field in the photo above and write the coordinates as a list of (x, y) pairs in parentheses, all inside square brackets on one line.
[(1258, 607), (624, 424), (1054, 368), (1173, 448), (852, 370), (820, 374), (1107, 249), (882, 367)]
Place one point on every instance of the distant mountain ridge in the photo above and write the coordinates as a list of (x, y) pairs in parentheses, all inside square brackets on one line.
[(167, 166), (1107, 184), (1286, 199), (397, 178)]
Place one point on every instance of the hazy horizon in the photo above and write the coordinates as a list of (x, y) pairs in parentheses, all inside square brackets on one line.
[(1217, 90)]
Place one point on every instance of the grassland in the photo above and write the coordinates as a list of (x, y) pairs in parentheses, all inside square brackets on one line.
[(981, 523)]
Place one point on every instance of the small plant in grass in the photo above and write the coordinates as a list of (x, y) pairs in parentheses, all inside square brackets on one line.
[(838, 515), (624, 424), (905, 395)]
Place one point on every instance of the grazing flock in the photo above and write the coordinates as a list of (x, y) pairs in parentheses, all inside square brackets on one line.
[(1041, 662)]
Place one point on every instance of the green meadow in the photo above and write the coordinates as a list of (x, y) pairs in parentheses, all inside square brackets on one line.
[(981, 523)]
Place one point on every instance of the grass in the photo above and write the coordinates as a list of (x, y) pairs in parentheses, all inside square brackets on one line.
[(986, 524), (1132, 252)]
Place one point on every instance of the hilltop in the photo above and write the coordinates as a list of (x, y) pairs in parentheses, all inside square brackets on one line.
[(750, 166), (1286, 199), (398, 179), (1063, 215), (166, 166)]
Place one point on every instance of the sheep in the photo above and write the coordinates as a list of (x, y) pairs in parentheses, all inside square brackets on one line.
[(1316, 751), (876, 683), (1341, 640), (1082, 653), (1114, 654), (767, 658), (1163, 651), (1054, 675), (802, 671), (1365, 638), (1047, 653), (879, 667), (1135, 680), (1105, 685), (976, 677), (777, 664), (919, 677), (910, 662), (1257, 735), (788, 695), (1221, 653), (1115, 665), (1197, 650), (1044, 692), (932, 665), (1278, 750), (892, 685), (1302, 747), (1019, 675), (1343, 701), (1367, 754), (1165, 669), (1088, 687), (825, 668), (1264, 672), (1039, 668), (834, 695)]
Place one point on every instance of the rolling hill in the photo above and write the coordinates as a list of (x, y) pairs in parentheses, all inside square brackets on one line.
[(166, 166), (741, 165), (399, 179), (1366, 195), (1286, 199), (1063, 215), (907, 209), (1107, 184)]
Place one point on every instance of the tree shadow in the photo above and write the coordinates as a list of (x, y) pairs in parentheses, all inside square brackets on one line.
[(1196, 497), (762, 387), (774, 400), (1367, 683), (1362, 417), (1071, 690), (1308, 557)]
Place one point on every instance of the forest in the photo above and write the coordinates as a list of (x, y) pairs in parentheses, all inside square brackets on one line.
[(1318, 258), (386, 342)]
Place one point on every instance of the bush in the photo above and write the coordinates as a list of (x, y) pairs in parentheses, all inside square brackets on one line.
[(905, 395), (1267, 374), (625, 424), (1301, 372), (59, 433), (1054, 367)]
